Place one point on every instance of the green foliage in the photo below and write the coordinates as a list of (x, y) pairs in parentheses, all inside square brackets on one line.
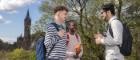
[(18, 54), (4, 46), (89, 22), (3, 55)]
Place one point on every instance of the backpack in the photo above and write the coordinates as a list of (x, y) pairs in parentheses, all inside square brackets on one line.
[(126, 46), (40, 47)]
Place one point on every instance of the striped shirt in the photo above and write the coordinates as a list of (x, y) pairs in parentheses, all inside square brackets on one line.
[(51, 38)]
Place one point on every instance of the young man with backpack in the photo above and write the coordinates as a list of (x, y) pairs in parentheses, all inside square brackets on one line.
[(117, 40), (55, 39), (74, 47)]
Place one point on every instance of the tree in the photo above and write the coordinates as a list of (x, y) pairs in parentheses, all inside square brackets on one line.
[(86, 13)]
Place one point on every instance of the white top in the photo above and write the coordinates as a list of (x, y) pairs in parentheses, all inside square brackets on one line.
[(71, 45)]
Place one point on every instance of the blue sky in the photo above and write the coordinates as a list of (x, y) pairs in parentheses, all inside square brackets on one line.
[(12, 14)]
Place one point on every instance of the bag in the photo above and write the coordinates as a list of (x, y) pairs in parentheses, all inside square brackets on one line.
[(126, 46), (40, 47)]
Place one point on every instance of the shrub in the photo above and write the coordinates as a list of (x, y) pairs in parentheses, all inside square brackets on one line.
[(20, 54)]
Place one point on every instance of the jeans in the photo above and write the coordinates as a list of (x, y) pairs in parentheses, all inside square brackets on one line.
[(54, 59)]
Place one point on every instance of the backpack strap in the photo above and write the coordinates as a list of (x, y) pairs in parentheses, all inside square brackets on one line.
[(77, 37), (55, 25), (110, 31), (68, 38)]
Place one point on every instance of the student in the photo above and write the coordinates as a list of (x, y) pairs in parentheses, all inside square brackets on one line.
[(55, 39), (112, 51), (74, 47)]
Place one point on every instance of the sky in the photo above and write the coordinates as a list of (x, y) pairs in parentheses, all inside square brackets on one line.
[(12, 14)]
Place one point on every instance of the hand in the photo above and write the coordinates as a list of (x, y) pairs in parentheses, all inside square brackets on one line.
[(61, 33), (98, 38), (78, 51), (75, 56), (98, 41), (98, 35)]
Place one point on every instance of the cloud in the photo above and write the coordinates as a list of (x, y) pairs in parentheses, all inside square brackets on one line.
[(39, 1), (8, 39), (10, 5), (8, 22), (1, 17), (3, 21), (12, 12)]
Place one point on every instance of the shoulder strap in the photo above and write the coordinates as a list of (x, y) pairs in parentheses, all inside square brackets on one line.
[(77, 37), (111, 33), (68, 38), (55, 25), (110, 30), (51, 50)]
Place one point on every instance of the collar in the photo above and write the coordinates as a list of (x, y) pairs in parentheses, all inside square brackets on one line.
[(59, 25), (111, 19)]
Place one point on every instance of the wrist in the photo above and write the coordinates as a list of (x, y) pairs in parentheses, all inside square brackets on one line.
[(102, 40)]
